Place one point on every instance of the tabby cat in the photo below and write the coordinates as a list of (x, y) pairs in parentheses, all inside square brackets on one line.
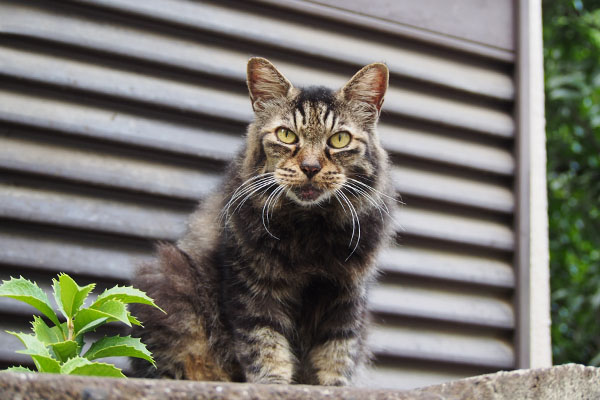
[(269, 283)]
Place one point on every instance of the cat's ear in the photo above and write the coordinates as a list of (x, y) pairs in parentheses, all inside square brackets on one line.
[(368, 85), (265, 82)]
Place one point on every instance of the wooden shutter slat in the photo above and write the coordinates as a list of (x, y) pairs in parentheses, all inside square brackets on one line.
[(457, 266), (441, 345), (95, 258), (106, 169), (411, 300)]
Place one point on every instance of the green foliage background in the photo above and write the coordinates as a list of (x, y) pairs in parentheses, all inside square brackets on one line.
[(572, 77)]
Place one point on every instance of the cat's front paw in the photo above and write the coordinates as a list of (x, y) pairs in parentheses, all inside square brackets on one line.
[(332, 380)]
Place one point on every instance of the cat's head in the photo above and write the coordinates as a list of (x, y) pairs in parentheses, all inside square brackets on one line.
[(315, 142)]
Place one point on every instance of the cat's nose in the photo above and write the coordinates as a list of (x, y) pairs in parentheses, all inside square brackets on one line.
[(310, 168)]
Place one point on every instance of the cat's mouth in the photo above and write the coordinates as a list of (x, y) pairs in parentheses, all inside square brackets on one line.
[(308, 192)]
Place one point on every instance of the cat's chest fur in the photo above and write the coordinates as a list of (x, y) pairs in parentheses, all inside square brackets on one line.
[(317, 242)]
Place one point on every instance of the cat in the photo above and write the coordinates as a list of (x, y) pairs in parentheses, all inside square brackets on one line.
[(269, 283)]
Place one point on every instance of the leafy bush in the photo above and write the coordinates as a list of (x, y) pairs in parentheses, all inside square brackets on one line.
[(572, 67), (58, 348)]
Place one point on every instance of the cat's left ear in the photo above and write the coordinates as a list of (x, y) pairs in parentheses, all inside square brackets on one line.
[(265, 82), (368, 85)]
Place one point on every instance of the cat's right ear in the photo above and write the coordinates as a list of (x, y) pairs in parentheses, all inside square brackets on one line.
[(368, 85), (265, 82)]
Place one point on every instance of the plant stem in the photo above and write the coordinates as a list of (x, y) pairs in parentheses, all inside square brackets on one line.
[(71, 328)]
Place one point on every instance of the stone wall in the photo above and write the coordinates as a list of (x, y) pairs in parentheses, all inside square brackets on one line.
[(562, 383)]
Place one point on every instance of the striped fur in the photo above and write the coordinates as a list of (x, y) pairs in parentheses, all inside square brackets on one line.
[(270, 282)]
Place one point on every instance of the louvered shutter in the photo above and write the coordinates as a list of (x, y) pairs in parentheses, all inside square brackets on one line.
[(117, 116)]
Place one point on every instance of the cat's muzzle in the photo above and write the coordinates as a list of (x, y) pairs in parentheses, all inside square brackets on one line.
[(308, 192)]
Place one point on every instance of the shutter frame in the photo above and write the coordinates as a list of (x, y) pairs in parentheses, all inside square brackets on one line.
[(115, 125)]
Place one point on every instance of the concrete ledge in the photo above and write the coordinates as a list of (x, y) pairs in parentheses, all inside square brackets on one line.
[(562, 382)]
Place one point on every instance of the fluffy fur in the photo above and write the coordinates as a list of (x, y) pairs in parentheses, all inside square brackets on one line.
[(270, 282)]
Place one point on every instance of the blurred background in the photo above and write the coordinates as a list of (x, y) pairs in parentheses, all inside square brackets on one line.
[(572, 80)]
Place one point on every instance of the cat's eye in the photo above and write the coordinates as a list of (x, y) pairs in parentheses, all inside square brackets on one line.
[(286, 136), (339, 139)]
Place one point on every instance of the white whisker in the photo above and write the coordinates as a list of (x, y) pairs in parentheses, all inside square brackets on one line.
[(373, 189), (380, 206), (354, 216), (245, 191), (250, 186), (281, 192), (345, 199), (249, 183), (339, 201), (266, 174), (271, 201), (262, 188), (370, 199), (265, 207), (249, 192)]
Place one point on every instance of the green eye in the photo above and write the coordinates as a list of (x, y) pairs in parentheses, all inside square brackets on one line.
[(339, 139), (286, 136)]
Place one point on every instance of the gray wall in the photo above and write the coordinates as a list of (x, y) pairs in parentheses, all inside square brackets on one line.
[(117, 116)]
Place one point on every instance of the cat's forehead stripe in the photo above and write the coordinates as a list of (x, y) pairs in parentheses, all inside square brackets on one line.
[(326, 116), (298, 119), (308, 113), (320, 110), (315, 104), (329, 120)]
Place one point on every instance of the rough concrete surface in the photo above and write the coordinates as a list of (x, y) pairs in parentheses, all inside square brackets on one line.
[(564, 382)]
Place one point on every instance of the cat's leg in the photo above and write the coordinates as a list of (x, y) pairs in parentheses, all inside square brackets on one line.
[(340, 343), (261, 327), (335, 361), (265, 355)]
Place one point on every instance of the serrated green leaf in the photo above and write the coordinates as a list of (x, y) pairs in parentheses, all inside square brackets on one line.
[(18, 369), (134, 320), (125, 294), (69, 295), (83, 366), (23, 290), (115, 310), (38, 351), (58, 296), (45, 333), (33, 346), (46, 364), (99, 369), (88, 320), (73, 363), (109, 311), (81, 296), (64, 350), (119, 346), (85, 326)]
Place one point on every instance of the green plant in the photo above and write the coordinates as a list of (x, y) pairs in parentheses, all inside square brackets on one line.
[(58, 348), (572, 74)]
